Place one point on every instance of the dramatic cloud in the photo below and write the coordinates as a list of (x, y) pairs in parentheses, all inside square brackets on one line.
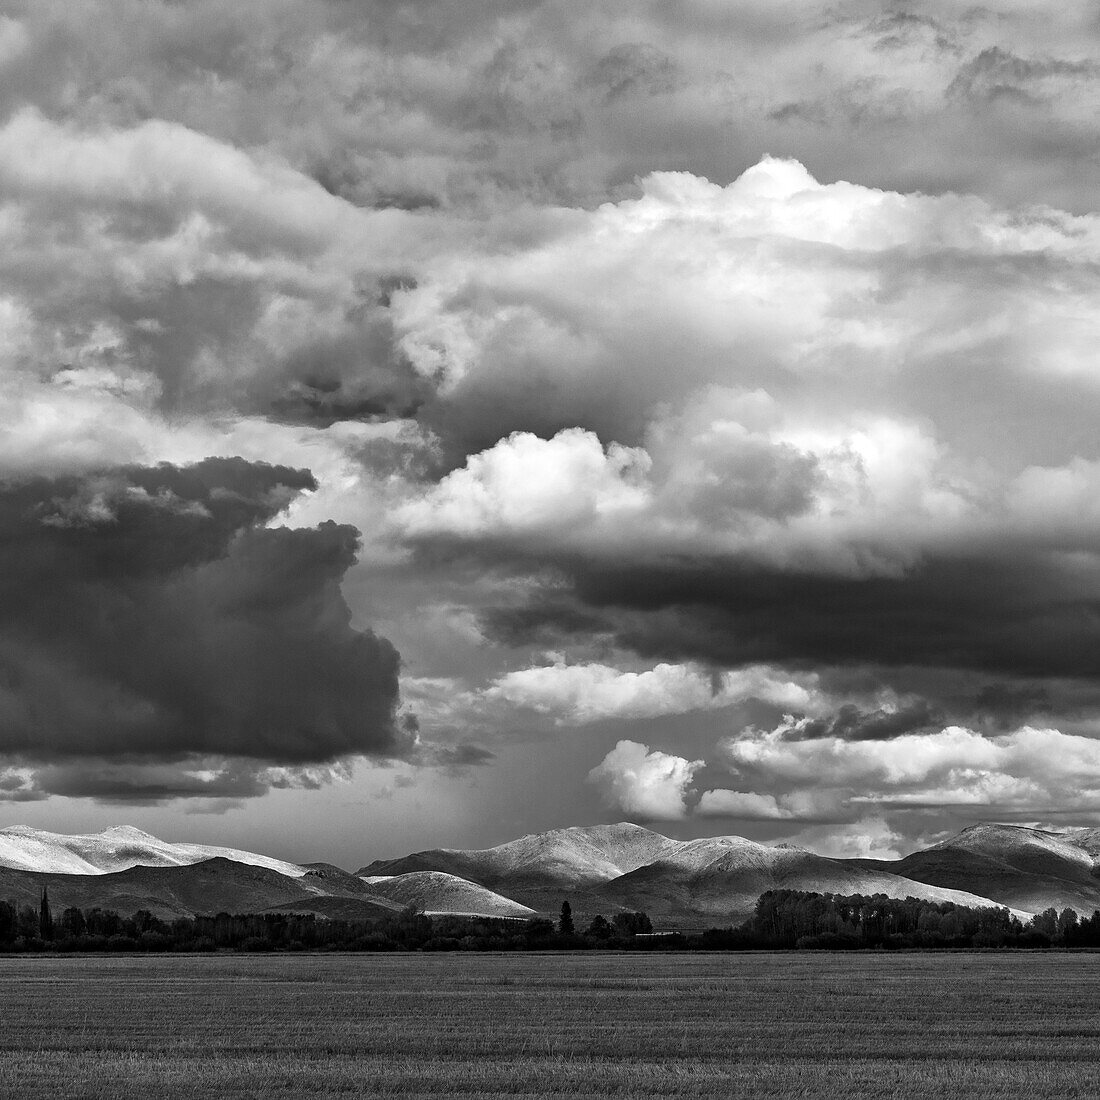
[(428, 103), (652, 361), (809, 485), (150, 617), (162, 267), (650, 785), (852, 724), (831, 299), (575, 694), (1026, 772)]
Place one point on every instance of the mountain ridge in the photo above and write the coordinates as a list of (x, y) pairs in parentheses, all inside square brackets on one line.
[(1015, 865), (115, 849), (597, 868), (705, 879)]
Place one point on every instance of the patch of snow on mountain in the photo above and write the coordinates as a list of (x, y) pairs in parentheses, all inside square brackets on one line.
[(437, 893), (115, 849), (1001, 841)]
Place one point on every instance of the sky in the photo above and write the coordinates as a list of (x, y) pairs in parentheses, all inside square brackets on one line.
[(424, 423)]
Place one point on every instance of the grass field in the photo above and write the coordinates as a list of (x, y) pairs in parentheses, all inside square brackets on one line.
[(867, 1025)]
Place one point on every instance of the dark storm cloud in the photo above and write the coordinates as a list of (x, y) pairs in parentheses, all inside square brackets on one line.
[(546, 622), (1005, 705), (457, 758), (149, 615), (852, 724), (1001, 613), (137, 786), (1027, 620)]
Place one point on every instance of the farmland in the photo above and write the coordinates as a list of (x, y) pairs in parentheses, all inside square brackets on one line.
[(752, 1025)]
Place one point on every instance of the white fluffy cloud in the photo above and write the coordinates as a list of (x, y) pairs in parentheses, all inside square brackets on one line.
[(577, 693), (1025, 770), (871, 837), (775, 281), (649, 784), (826, 341), (259, 228), (744, 805), (525, 485), (866, 500)]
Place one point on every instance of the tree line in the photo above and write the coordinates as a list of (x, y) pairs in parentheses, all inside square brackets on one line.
[(24, 928), (799, 919), (782, 920)]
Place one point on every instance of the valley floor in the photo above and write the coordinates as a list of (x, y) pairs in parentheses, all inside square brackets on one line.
[(729, 1025)]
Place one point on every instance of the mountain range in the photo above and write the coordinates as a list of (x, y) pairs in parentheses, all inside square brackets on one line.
[(599, 868)]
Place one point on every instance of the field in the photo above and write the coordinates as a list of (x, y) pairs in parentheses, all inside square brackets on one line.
[(791, 1025)]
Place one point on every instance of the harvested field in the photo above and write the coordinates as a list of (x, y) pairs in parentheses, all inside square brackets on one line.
[(745, 1025)]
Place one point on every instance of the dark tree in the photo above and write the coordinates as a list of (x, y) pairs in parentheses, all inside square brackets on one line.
[(45, 920), (565, 921), (72, 922), (632, 924), (600, 928), (7, 922)]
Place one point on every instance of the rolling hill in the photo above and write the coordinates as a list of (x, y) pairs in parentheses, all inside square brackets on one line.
[(115, 849), (720, 878), (212, 886), (574, 858), (436, 893), (606, 868), (599, 868), (1017, 866)]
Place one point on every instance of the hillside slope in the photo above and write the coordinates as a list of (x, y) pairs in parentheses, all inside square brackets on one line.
[(115, 849), (606, 868), (438, 893), (719, 879), (213, 886), (1025, 868), (576, 857)]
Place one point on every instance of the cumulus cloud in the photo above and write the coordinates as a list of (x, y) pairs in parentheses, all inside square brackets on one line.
[(579, 693), (892, 290), (154, 267), (872, 837), (422, 104), (1025, 771), (573, 316), (830, 438), (152, 617), (852, 724), (652, 785), (744, 805)]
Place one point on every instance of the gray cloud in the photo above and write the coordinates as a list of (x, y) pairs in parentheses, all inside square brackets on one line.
[(846, 429), (150, 616), (852, 724), (536, 97)]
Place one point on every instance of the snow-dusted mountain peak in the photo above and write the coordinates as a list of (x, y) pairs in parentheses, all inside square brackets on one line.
[(115, 849)]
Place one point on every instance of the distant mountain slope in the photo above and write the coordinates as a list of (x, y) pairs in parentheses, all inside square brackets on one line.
[(719, 879), (1026, 868), (600, 868), (436, 892), (577, 857), (624, 866), (213, 886), (112, 850)]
